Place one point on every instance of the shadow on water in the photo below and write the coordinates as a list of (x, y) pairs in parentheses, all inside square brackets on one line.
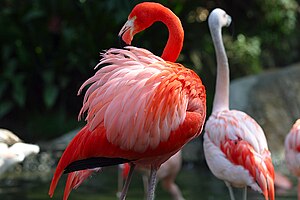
[(31, 182)]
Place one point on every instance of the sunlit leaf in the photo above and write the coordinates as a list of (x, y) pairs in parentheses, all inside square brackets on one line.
[(50, 95)]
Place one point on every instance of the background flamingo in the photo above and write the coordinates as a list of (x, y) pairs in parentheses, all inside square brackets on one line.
[(166, 174), (13, 150), (292, 151), (140, 108), (235, 146)]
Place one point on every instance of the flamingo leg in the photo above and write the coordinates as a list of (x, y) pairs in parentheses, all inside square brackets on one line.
[(152, 184), (120, 181), (245, 193), (127, 182), (145, 181), (298, 187), (230, 190)]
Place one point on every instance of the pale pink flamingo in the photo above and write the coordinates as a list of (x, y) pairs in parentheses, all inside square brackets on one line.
[(13, 150), (235, 146), (140, 108), (292, 151), (166, 174)]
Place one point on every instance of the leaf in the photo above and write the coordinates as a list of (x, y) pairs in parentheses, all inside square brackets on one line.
[(48, 76), (33, 14), (19, 90), (5, 108), (3, 87), (50, 95)]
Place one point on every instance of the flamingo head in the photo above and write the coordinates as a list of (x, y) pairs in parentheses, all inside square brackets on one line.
[(141, 17), (219, 17)]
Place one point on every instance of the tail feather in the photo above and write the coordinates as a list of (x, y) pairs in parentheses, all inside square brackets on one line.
[(82, 156), (271, 189), (75, 179), (260, 167), (65, 160), (70, 154)]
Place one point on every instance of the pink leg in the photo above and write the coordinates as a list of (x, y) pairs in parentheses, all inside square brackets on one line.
[(152, 184), (127, 182)]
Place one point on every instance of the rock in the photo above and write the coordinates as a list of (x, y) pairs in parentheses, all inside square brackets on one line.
[(60, 143), (273, 100)]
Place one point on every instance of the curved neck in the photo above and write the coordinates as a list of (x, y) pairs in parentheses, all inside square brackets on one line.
[(176, 34), (221, 99)]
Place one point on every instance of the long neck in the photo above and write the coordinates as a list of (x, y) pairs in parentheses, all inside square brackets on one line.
[(176, 34), (221, 99)]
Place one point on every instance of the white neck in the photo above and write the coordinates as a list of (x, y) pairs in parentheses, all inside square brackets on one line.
[(221, 99)]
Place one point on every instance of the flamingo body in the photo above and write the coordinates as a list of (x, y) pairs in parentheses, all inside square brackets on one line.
[(236, 151), (140, 108)]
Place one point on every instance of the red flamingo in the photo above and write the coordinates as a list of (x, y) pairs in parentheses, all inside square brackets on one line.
[(235, 146), (292, 151), (140, 108)]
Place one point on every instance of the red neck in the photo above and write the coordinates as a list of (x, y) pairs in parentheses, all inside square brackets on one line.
[(176, 35)]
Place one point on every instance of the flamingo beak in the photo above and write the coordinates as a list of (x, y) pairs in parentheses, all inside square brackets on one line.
[(126, 33), (228, 20)]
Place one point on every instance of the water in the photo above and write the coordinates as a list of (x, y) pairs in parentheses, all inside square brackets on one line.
[(195, 182)]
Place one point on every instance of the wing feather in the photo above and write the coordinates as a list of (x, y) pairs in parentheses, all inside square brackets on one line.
[(232, 147), (138, 88)]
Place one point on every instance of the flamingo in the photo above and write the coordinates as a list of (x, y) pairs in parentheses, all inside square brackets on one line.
[(141, 108), (292, 151), (166, 174), (235, 146), (13, 150)]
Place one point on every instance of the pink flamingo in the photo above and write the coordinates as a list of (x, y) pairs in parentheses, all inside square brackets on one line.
[(235, 146), (140, 108), (166, 174), (292, 151)]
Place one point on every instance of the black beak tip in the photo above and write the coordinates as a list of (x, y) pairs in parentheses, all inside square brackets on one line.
[(122, 44)]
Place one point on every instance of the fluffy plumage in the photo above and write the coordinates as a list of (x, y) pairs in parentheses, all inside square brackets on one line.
[(236, 151), (140, 108)]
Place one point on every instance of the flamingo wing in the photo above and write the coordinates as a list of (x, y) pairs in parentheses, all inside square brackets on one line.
[(140, 89), (236, 154)]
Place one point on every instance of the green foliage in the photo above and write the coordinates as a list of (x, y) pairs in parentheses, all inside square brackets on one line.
[(280, 15), (244, 55), (49, 48)]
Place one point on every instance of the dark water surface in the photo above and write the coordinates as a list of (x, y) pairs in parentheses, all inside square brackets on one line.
[(195, 183)]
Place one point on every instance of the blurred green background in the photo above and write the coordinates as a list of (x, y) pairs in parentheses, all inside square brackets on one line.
[(48, 49)]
